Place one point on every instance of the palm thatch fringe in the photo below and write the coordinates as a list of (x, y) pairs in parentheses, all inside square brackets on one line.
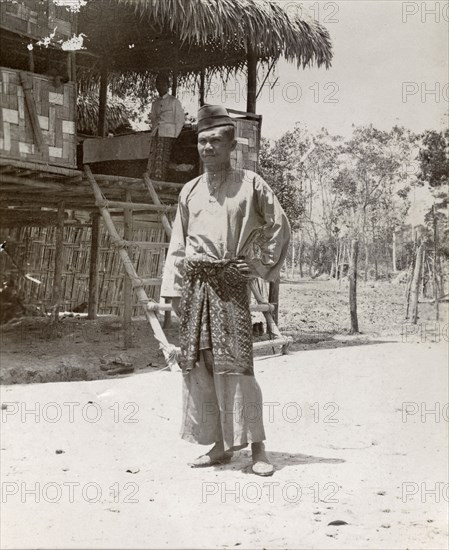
[(117, 114)]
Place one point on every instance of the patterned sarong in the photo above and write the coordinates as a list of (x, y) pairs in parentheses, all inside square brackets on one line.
[(159, 157), (216, 315)]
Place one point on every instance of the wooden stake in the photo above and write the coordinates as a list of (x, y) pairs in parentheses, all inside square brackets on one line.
[(59, 258), (93, 267), (353, 286), (127, 283), (273, 298), (415, 285)]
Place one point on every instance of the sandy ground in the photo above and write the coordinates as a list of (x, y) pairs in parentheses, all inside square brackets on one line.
[(101, 465)]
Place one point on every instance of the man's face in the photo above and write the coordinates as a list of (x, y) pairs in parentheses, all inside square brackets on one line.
[(215, 146), (162, 86)]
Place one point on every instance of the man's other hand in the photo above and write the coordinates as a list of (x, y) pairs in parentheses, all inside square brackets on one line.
[(243, 267)]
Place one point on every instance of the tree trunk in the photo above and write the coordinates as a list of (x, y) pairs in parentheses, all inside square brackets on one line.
[(408, 287), (366, 262), (300, 257), (415, 285), (353, 286), (292, 272), (435, 263), (394, 253)]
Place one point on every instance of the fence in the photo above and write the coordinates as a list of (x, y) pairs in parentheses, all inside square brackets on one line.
[(33, 248)]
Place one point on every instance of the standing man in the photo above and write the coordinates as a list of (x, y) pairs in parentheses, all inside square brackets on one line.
[(229, 227), (167, 119)]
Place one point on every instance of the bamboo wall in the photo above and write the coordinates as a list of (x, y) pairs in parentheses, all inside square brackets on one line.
[(33, 248), (37, 18), (55, 111)]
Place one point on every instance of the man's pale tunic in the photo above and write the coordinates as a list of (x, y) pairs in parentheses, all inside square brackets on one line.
[(242, 219)]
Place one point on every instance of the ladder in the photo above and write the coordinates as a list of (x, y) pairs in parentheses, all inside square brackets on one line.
[(150, 307)]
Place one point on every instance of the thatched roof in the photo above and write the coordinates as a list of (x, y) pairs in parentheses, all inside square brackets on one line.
[(137, 36)]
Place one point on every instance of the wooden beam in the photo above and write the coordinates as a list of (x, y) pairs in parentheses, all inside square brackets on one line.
[(59, 259), (154, 197), (102, 101), (27, 86), (40, 167), (27, 182), (92, 307), (137, 206)]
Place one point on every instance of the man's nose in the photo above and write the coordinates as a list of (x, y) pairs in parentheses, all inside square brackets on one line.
[(208, 147)]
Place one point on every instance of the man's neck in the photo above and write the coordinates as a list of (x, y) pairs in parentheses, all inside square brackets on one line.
[(217, 171)]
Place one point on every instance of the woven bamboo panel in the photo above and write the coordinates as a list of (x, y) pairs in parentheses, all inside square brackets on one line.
[(56, 108), (247, 136), (37, 18), (33, 248)]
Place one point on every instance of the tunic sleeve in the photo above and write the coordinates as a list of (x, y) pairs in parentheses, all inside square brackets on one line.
[(173, 268), (271, 241)]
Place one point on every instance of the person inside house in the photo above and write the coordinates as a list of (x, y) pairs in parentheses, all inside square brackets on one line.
[(229, 227), (167, 119)]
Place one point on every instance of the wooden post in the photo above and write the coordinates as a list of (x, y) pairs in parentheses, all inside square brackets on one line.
[(59, 258), (92, 308), (31, 58), (202, 88), (102, 101), (251, 59), (273, 298), (415, 285), (353, 286), (127, 283)]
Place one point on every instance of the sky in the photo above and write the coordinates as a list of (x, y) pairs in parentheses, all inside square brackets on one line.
[(390, 66)]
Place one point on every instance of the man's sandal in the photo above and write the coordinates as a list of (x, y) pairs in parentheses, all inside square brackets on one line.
[(204, 461), (261, 468)]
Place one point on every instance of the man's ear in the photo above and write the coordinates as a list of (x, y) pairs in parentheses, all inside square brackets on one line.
[(234, 144)]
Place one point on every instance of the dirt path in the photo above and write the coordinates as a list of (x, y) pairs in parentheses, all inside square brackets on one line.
[(343, 447)]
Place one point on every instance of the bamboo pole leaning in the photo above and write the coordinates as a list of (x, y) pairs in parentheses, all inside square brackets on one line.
[(169, 351)]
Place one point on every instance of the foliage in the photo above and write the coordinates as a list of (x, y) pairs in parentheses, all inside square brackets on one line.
[(275, 166)]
